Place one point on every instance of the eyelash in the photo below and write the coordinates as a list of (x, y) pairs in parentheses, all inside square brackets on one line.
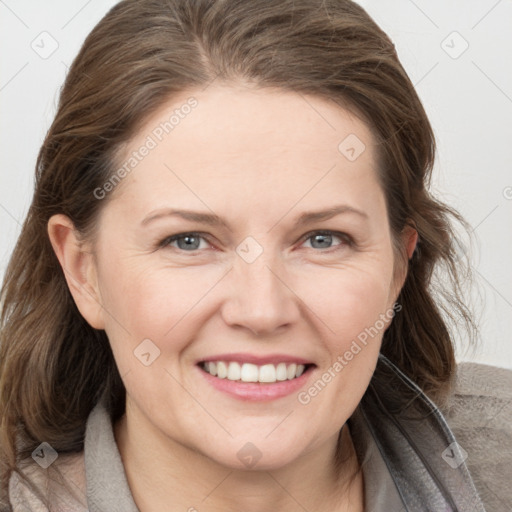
[(347, 240)]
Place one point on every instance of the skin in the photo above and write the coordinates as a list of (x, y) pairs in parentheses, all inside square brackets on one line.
[(258, 159)]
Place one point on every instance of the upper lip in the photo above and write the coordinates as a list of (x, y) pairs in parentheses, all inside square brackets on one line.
[(258, 360)]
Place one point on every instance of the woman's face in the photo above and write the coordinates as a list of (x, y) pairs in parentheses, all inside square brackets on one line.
[(254, 277)]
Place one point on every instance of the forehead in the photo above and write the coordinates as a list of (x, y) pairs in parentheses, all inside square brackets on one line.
[(257, 145)]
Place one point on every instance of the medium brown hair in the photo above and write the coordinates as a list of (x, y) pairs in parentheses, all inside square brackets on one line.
[(53, 364)]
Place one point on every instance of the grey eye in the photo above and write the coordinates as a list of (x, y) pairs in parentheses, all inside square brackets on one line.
[(324, 240), (187, 242)]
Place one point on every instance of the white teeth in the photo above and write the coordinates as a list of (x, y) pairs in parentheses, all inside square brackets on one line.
[(291, 371), (267, 373), (233, 371), (222, 371), (281, 373), (248, 372)]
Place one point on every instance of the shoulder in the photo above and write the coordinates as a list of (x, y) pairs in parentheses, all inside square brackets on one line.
[(61, 487), (479, 412), (481, 398)]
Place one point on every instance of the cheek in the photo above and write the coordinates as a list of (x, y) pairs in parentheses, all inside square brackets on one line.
[(353, 312), (348, 300), (153, 302)]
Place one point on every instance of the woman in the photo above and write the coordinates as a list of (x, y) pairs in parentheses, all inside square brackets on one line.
[(221, 298)]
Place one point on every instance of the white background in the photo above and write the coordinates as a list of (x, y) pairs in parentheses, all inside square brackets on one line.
[(468, 97)]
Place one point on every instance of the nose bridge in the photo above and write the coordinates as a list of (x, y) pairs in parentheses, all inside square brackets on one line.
[(260, 300)]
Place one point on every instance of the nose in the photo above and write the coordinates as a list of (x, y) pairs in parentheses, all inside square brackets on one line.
[(261, 296)]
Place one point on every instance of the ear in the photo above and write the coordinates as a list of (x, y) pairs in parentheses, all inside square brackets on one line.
[(79, 269), (409, 240)]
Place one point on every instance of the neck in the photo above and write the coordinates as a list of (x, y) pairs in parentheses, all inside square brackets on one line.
[(161, 471)]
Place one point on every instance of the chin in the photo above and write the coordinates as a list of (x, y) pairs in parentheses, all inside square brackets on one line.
[(254, 456)]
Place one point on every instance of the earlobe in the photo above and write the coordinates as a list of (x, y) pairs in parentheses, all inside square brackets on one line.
[(79, 269)]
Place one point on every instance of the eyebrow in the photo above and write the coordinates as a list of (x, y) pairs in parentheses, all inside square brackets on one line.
[(216, 221)]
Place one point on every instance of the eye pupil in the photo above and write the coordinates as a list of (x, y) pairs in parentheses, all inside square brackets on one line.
[(323, 239), (189, 242)]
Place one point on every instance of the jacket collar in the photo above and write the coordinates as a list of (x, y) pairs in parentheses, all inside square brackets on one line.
[(419, 449)]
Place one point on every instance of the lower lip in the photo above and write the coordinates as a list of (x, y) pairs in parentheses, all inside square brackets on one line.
[(256, 391)]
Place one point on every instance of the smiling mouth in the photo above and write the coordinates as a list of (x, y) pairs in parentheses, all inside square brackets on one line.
[(252, 373)]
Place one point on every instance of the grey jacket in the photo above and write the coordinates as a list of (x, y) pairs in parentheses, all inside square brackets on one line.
[(411, 461)]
